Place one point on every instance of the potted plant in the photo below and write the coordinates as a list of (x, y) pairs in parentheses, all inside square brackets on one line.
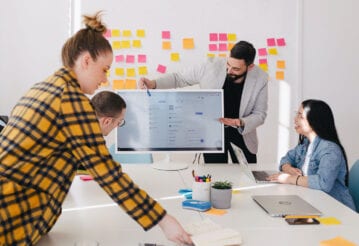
[(221, 194)]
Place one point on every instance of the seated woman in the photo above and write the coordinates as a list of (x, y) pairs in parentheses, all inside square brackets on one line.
[(319, 160)]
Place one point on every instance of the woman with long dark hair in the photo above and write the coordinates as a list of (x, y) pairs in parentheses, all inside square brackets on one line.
[(319, 160)]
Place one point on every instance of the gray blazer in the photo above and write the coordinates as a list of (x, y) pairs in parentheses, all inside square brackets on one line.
[(211, 75)]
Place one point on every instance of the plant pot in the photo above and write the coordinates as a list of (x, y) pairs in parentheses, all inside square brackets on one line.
[(221, 198)]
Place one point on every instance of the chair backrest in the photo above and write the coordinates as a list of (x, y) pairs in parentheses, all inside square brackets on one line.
[(130, 158), (354, 183)]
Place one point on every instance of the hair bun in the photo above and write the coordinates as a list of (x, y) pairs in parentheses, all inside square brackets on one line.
[(94, 22)]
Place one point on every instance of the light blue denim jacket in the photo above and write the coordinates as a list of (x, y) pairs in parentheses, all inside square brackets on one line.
[(327, 168)]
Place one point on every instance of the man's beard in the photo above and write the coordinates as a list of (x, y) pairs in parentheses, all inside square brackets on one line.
[(232, 77)]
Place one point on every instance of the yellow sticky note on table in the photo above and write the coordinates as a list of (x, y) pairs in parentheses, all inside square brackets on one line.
[(142, 70), (118, 84), (281, 64), (336, 242), (279, 75), (130, 84), (329, 221), (175, 57), (166, 45), (140, 33), (131, 72), (215, 211), (272, 51), (188, 43)]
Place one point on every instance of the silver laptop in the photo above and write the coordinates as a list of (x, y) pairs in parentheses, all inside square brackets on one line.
[(283, 205), (258, 176)]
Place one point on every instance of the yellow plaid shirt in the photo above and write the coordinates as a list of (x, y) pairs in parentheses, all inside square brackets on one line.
[(52, 130)]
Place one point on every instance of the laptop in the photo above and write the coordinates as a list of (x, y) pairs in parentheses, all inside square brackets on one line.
[(257, 176), (283, 205)]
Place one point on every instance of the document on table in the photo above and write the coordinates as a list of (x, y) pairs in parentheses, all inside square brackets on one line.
[(208, 233)]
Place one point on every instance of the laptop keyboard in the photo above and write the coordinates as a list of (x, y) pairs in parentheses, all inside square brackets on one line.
[(260, 175)]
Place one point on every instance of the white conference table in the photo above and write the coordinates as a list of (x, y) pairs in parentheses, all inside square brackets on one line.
[(88, 213)]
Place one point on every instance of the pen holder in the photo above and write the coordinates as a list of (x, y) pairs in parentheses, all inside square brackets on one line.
[(201, 191)]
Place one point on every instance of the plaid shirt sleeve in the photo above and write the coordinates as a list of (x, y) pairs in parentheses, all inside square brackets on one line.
[(53, 129)]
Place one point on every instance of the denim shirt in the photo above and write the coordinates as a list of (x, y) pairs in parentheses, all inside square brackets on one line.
[(326, 170)]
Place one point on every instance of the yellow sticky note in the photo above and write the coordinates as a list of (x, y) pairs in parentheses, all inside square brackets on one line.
[(118, 84), (142, 70), (232, 37), (136, 43), (188, 43), (210, 55), (222, 55), (215, 211), (126, 33), (272, 51), (235, 192), (125, 44), (130, 84), (175, 56), (281, 64), (264, 66), (279, 75), (131, 72), (119, 71), (116, 45), (337, 241), (329, 221), (140, 33), (115, 33), (166, 45)]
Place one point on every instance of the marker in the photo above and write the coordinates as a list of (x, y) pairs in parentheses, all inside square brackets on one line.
[(148, 91)]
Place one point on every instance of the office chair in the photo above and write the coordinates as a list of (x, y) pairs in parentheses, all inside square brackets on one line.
[(130, 158), (354, 183), (3, 121)]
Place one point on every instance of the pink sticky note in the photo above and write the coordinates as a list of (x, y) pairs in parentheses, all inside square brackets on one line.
[(223, 37), (213, 37), (270, 41), (141, 58), (166, 34), (130, 59), (263, 61), (212, 47), (262, 51), (161, 68), (108, 33), (119, 58), (281, 41), (222, 47)]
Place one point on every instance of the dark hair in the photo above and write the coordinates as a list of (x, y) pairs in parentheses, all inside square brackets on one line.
[(89, 39), (108, 104), (321, 119), (244, 51)]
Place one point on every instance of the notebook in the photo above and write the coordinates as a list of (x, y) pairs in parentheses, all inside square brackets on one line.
[(283, 205), (258, 176)]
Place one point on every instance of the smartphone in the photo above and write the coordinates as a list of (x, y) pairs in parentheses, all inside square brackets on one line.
[(302, 221)]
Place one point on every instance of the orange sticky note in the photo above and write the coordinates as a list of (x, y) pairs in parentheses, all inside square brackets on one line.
[(140, 33), (188, 43), (116, 45), (118, 84), (215, 211), (222, 55), (281, 64), (210, 55), (136, 43), (230, 46), (142, 70), (279, 75), (272, 51), (119, 71), (130, 84), (337, 241), (166, 45), (175, 57), (115, 33), (131, 72)]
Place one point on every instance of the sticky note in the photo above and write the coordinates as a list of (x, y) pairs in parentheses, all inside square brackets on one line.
[(166, 45), (214, 211), (188, 43), (262, 51), (264, 67), (210, 55), (230, 46), (263, 61), (108, 33), (235, 192), (329, 221), (118, 84), (140, 33), (222, 47), (116, 45), (115, 33), (119, 58), (232, 37), (213, 37), (119, 71), (131, 72), (212, 47), (141, 58), (125, 44), (136, 43), (272, 51), (222, 55), (175, 56), (279, 75), (126, 33), (222, 37), (130, 59), (336, 242), (166, 35), (142, 70), (130, 84), (281, 42), (270, 42), (281, 64), (161, 68)]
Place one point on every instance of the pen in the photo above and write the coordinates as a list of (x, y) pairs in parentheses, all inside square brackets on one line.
[(148, 91), (301, 216)]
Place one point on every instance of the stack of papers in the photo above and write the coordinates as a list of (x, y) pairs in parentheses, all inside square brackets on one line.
[(208, 233)]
